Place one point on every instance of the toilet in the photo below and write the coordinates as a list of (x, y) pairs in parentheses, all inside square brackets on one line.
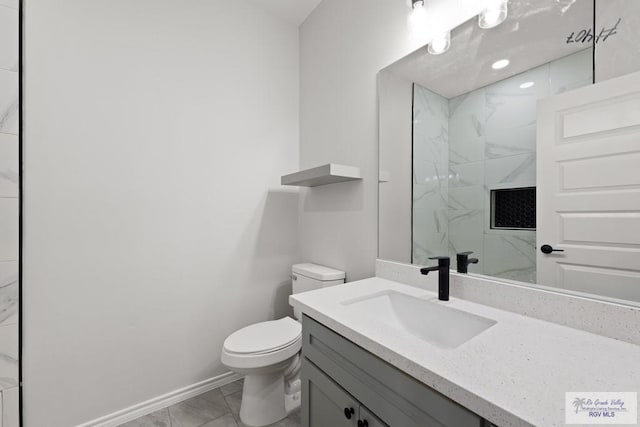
[(268, 354)]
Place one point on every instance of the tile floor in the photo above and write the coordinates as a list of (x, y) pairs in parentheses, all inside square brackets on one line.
[(216, 408)]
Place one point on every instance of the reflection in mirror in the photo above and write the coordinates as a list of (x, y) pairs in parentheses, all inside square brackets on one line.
[(474, 167), (460, 150)]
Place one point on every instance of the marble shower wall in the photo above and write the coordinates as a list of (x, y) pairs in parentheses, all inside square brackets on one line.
[(492, 145), (9, 169), (430, 164)]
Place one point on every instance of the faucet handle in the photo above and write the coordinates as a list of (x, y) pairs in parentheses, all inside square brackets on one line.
[(463, 261)]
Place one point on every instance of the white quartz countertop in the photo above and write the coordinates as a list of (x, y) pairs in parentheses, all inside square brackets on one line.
[(515, 373)]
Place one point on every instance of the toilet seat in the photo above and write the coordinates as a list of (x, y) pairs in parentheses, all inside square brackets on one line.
[(264, 337), (263, 344)]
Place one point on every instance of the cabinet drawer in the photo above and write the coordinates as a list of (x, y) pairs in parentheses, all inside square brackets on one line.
[(398, 399)]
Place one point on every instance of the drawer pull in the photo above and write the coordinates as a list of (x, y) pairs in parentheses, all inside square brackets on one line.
[(348, 412)]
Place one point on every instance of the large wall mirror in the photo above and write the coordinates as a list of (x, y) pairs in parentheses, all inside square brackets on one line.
[(505, 146)]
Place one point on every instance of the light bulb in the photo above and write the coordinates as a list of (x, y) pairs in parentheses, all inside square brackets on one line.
[(526, 85), (498, 65), (440, 44), (418, 21), (493, 15)]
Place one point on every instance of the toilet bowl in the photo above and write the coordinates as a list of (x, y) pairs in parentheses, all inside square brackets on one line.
[(268, 355)]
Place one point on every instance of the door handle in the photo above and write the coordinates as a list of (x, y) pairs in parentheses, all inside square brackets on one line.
[(547, 249)]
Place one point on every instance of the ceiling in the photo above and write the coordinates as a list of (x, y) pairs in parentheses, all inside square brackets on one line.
[(534, 33), (293, 11)]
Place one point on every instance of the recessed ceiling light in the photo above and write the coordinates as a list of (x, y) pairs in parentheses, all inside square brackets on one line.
[(498, 65), (526, 85)]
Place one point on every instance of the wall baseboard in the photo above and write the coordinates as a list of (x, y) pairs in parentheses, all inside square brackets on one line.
[(141, 409)]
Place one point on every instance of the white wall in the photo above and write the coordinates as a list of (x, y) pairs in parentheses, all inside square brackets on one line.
[(156, 133), (343, 45)]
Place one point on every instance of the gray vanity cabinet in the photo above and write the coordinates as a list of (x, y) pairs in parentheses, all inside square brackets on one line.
[(368, 419), (327, 404), (343, 384)]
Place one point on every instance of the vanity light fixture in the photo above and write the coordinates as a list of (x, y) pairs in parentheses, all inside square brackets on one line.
[(500, 64), (493, 15), (440, 44), (526, 85)]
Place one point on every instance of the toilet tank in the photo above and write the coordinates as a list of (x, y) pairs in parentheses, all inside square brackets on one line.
[(308, 277)]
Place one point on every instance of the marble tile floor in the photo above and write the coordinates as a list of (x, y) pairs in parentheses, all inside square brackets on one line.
[(216, 408)]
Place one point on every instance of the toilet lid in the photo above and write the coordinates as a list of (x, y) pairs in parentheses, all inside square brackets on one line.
[(264, 337)]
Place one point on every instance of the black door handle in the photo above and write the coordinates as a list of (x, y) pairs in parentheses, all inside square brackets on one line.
[(547, 249), (348, 412)]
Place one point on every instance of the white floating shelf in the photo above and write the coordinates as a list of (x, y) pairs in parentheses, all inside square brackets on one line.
[(322, 175)]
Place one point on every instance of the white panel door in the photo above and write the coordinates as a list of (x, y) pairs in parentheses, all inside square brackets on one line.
[(588, 189)]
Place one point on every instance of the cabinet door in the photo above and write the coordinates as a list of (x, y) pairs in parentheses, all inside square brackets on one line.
[(367, 419), (324, 403)]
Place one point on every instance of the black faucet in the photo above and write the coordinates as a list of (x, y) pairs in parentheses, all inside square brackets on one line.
[(463, 261), (444, 262)]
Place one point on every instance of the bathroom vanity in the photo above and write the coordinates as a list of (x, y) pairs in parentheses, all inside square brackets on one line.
[(344, 385), (369, 355)]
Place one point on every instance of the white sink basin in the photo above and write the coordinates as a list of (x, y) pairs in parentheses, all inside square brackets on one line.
[(433, 322)]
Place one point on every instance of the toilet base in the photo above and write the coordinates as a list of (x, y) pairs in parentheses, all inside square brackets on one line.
[(263, 399), (268, 397), (292, 402)]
